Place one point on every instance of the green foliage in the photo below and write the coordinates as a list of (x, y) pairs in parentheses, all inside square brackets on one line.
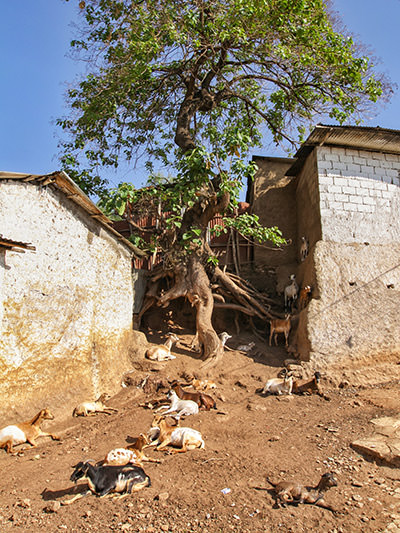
[(193, 84)]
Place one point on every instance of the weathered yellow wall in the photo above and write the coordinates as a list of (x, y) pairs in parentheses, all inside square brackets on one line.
[(65, 309)]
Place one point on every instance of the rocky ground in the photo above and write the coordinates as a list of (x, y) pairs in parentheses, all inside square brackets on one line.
[(224, 487)]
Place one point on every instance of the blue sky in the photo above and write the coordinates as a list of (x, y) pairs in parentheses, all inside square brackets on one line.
[(35, 73)]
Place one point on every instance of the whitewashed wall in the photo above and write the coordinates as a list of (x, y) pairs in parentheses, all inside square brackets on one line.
[(66, 308)]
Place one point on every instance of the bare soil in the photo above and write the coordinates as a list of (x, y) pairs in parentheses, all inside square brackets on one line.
[(298, 437)]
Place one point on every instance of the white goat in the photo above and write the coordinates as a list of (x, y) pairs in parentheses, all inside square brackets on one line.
[(291, 292), (180, 407), (183, 438), (279, 386), (163, 352)]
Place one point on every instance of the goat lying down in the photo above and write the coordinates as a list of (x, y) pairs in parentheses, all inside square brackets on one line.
[(27, 431), (181, 438), (105, 480), (98, 406), (295, 492), (131, 454), (279, 386)]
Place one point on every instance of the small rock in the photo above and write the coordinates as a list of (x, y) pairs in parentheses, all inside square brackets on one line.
[(126, 526), (24, 503), (163, 496), (87, 514), (52, 507), (356, 483), (274, 438), (357, 498), (379, 480), (164, 527)]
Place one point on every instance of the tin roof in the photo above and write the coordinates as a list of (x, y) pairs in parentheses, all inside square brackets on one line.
[(358, 137), (61, 181)]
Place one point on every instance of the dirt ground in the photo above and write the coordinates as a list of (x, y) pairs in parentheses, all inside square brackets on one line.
[(297, 437)]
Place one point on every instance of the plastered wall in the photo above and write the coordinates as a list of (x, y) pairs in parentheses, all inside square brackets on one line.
[(66, 308)]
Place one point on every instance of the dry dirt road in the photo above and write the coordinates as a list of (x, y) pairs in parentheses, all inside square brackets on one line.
[(300, 437)]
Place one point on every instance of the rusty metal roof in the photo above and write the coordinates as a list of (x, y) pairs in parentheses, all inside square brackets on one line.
[(10, 244), (356, 137), (61, 181)]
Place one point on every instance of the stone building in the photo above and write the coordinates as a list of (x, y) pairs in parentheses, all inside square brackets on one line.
[(66, 302), (342, 192)]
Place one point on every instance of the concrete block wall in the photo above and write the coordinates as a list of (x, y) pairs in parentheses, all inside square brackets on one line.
[(359, 195)]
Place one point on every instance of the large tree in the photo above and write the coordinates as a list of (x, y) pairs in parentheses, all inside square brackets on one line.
[(196, 84)]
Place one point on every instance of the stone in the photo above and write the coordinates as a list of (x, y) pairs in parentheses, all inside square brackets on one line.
[(385, 443), (52, 507)]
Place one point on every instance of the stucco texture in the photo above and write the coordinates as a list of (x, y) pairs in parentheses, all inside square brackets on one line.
[(65, 308), (353, 322)]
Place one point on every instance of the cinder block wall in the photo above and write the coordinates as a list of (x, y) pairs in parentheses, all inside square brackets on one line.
[(359, 195)]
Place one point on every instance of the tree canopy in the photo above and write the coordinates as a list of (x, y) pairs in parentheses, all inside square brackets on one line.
[(195, 85)]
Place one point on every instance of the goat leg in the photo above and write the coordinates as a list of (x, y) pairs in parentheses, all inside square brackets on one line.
[(76, 497)]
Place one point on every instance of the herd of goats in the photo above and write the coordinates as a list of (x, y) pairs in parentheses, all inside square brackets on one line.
[(121, 471)]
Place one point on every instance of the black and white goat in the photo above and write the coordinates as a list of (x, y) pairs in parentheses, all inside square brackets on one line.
[(104, 480)]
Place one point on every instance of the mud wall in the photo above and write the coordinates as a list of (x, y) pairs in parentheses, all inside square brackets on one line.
[(65, 309)]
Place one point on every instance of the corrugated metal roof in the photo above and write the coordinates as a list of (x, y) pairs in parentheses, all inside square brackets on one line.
[(70, 189), (357, 137)]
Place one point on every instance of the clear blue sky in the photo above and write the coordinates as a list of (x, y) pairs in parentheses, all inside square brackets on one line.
[(35, 72)]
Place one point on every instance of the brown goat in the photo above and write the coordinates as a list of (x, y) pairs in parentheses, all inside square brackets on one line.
[(25, 431), (294, 492), (279, 325), (304, 297), (204, 401), (309, 386), (181, 438)]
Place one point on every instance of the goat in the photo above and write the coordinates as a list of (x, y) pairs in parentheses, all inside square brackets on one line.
[(105, 479), (294, 492), (91, 408), (27, 431), (309, 386), (304, 247), (223, 337), (203, 384), (279, 386), (163, 352), (304, 297), (246, 347), (183, 438), (204, 401), (279, 325), (180, 407), (290, 293), (131, 454)]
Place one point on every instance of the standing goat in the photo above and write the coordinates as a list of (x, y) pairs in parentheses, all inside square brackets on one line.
[(25, 432), (279, 325), (290, 293), (304, 247), (304, 297), (163, 352)]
